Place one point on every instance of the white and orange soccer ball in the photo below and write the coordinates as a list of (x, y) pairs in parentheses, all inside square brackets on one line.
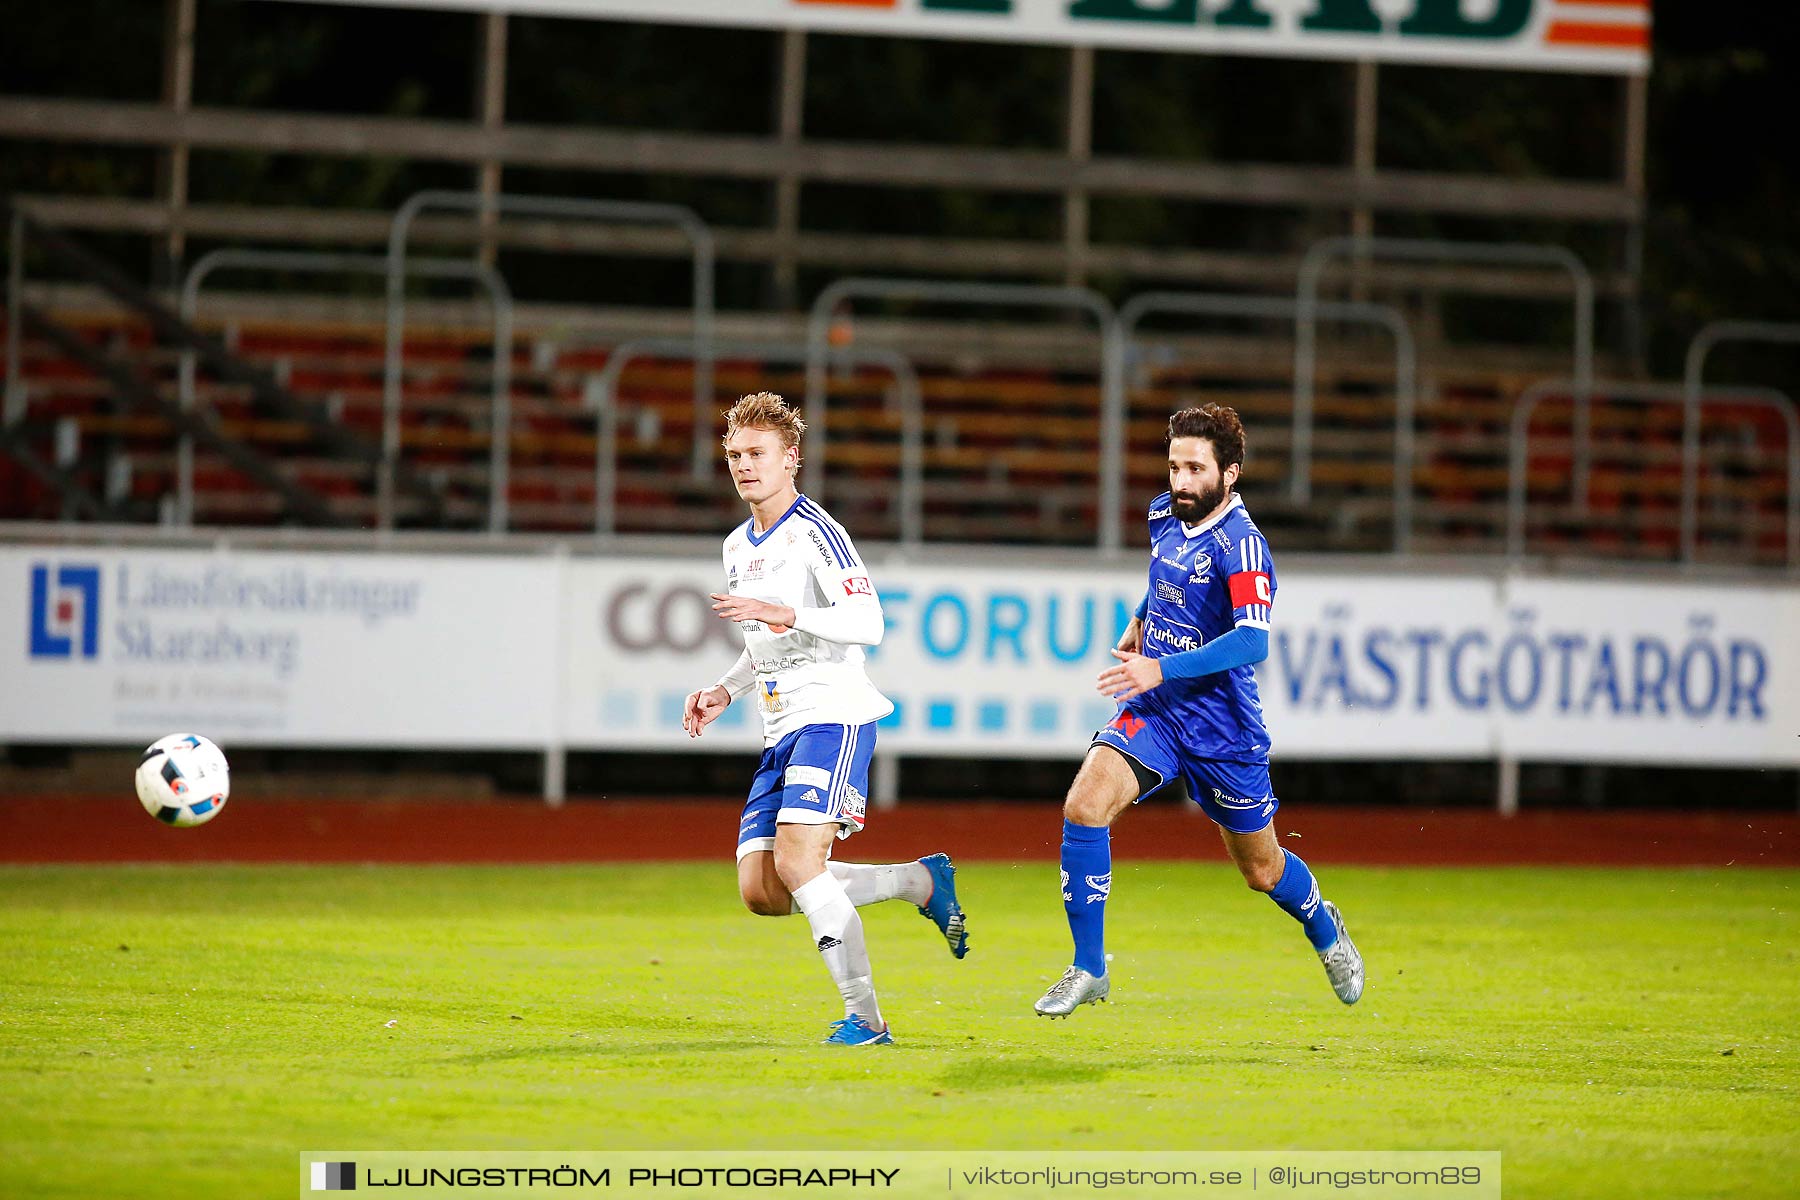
[(183, 780)]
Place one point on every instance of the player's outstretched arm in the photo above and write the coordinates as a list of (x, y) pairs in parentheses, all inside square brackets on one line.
[(1134, 674), (779, 618), (851, 615), (1240, 646), (846, 623)]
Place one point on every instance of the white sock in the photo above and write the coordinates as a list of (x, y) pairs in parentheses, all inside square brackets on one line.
[(838, 932), (865, 884)]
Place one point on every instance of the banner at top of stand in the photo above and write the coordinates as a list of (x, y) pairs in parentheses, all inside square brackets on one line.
[(1598, 36)]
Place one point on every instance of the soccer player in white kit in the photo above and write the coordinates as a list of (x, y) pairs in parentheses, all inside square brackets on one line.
[(795, 585)]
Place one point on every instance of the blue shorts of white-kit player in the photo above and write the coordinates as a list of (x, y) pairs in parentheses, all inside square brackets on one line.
[(817, 775), (1236, 795)]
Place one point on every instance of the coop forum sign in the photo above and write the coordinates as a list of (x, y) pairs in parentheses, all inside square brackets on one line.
[(1597, 36)]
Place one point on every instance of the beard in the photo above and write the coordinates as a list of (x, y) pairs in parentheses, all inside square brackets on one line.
[(1192, 507)]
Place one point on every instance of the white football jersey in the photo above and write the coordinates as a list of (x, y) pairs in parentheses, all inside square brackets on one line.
[(806, 561)]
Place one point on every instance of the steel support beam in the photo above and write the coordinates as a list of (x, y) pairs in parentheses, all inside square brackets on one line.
[(843, 252), (1308, 187)]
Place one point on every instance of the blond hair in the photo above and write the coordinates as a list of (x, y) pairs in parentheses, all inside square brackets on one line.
[(765, 410)]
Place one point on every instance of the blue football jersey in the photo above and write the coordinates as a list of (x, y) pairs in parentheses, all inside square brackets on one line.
[(1204, 581)]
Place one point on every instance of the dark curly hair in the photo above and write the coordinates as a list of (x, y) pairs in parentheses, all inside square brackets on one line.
[(1217, 424)]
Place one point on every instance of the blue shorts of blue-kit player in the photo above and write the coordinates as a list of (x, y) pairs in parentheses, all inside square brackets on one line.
[(1236, 795), (817, 775)]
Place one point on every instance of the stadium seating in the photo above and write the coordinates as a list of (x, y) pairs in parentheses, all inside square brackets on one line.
[(1009, 455)]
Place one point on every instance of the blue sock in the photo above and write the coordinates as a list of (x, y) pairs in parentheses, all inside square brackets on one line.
[(1087, 879), (1298, 895)]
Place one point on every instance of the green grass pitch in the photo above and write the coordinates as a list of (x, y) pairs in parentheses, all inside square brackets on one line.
[(188, 1031)]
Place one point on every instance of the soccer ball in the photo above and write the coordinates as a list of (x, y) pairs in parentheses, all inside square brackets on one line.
[(183, 780)]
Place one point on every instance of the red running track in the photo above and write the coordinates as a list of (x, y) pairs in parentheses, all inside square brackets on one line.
[(115, 829)]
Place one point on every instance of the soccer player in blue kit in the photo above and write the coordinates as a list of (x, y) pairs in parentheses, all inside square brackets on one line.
[(1188, 710)]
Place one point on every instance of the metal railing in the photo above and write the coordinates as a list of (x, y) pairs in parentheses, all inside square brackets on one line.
[(130, 385), (320, 262), (699, 236), (1693, 378), (1112, 442), (603, 387), (1118, 336), (1518, 447), (1306, 294), (1213, 304)]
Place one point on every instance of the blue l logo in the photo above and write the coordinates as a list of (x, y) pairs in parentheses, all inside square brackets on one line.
[(58, 613)]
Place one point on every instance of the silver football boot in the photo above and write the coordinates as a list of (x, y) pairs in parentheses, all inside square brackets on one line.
[(1075, 988), (1343, 961)]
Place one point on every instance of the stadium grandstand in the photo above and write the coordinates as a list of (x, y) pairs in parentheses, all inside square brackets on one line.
[(486, 278)]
